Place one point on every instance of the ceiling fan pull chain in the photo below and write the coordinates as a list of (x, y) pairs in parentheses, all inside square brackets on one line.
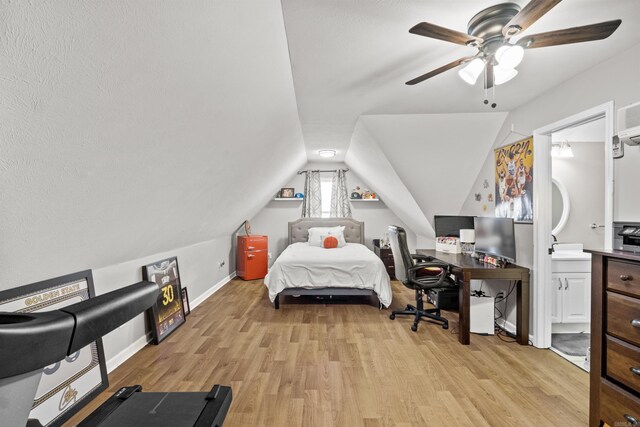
[(493, 89), (486, 92)]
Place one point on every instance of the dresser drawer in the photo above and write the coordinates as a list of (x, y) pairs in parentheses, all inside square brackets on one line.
[(617, 407), (623, 363), (623, 317), (624, 277)]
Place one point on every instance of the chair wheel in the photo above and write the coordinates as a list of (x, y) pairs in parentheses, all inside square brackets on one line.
[(445, 325), (392, 316), (414, 327)]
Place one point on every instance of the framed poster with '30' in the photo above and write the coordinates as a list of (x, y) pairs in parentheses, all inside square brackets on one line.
[(167, 314)]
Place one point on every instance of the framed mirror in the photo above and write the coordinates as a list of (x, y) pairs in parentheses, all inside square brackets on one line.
[(560, 206)]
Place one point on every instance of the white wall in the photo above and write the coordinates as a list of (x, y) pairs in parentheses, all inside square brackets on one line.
[(273, 219), (607, 81), (200, 271), (583, 177), (365, 157)]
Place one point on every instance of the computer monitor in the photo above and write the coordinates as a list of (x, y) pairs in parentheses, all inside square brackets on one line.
[(450, 226), (496, 237)]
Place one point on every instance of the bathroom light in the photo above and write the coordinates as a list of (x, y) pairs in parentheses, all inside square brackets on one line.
[(502, 75), (327, 153), (509, 56), (562, 151), (471, 72)]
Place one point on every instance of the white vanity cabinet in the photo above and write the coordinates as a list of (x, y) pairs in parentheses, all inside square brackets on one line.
[(571, 285), (571, 297)]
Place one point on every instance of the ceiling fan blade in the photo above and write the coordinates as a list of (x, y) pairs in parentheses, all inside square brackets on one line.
[(436, 32), (440, 70), (585, 33), (533, 11)]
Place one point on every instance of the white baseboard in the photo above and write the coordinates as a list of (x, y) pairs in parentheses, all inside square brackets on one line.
[(125, 354), (212, 290), (141, 342)]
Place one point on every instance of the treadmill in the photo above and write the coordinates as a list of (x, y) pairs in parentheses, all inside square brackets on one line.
[(62, 332)]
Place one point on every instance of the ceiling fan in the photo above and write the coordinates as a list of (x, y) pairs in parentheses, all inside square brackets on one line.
[(491, 30)]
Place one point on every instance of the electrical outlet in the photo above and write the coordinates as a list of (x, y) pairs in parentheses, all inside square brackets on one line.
[(500, 295), (221, 264)]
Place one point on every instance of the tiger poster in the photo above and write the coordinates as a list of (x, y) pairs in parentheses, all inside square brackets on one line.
[(514, 181)]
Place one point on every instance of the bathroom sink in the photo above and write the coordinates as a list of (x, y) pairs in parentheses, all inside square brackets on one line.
[(570, 257)]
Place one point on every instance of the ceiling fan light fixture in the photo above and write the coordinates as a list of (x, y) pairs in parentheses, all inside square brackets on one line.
[(472, 71), (509, 56), (503, 75)]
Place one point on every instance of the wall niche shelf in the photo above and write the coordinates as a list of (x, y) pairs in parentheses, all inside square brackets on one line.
[(289, 199), (365, 200)]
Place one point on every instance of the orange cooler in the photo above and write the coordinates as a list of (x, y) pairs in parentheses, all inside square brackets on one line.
[(253, 257)]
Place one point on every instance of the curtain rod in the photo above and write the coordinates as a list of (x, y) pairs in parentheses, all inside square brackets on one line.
[(328, 170)]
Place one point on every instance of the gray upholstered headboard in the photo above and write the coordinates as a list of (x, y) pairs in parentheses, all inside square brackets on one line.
[(353, 230)]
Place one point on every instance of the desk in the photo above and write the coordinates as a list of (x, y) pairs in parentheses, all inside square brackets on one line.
[(466, 268)]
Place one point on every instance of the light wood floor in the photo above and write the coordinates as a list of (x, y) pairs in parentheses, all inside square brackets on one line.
[(349, 365)]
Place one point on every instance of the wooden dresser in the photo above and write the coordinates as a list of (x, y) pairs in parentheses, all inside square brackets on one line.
[(614, 393), (386, 256)]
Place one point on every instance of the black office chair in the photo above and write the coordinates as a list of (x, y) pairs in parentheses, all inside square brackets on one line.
[(419, 276)]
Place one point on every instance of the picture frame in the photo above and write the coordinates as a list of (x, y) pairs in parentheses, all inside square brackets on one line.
[(167, 314), (71, 383), (185, 302), (287, 192), (514, 181)]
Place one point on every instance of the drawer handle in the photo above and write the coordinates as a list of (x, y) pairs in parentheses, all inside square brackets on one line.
[(566, 283), (251, 256), (250, 247), (625, 277), (635, 323), (635, 371), (560, 284), (632, 420)]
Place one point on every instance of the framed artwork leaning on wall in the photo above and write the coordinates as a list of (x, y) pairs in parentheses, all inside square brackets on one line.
[(167, 314)]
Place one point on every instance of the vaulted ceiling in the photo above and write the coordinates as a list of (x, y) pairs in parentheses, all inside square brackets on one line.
[(133, 128), (352, 57)]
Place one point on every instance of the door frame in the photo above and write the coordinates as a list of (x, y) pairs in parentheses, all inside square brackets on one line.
[(541, 310)]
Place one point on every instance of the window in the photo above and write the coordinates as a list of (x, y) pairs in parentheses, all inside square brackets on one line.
[(325, 191)]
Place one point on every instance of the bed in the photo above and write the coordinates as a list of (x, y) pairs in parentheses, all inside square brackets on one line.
[(349, 271)]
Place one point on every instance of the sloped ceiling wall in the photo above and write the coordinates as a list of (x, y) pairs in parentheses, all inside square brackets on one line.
[(437, 157), (367, 160), (132, 128)]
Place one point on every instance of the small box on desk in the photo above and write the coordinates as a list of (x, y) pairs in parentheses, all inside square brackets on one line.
[(450, 245)]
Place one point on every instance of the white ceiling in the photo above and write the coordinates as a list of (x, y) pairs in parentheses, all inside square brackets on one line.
[(352, 57)]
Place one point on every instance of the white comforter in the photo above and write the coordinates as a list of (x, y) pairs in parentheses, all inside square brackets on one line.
[(352, 266)]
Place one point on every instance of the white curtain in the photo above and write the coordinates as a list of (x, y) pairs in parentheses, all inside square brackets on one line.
[(340, 205), (312, 203)]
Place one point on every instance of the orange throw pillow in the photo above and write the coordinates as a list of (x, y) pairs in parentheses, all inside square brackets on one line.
[(330, 242)]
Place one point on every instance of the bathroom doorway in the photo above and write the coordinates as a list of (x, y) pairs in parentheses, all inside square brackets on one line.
[(543, 286), (578, 223)]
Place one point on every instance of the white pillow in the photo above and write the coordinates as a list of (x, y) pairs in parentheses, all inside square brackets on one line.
[(316, 234)]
